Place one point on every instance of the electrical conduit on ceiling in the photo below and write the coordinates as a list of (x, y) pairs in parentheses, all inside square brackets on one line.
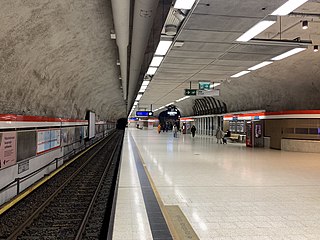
[(144, 13), (121, 14)]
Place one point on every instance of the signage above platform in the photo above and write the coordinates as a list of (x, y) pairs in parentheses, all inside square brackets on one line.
[(208, 93), (204, 85), (190, 92), (144, 113)]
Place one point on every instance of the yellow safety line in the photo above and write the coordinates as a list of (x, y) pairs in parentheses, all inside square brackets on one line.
[(164, 211), (45, 179)]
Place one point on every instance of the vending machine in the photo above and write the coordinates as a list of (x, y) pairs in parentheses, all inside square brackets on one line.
[(249, 137)]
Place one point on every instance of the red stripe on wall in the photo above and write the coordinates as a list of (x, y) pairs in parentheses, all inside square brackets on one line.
[(21, 118)]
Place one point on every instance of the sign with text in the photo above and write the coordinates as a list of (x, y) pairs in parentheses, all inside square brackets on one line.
[(144, 113), (8, 149), (23, 166), (190, 92), (210, 93), (204, 85)]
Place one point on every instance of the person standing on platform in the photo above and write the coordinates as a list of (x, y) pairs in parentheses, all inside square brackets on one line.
[(193, 130), (175, 131), (159, 128), (219, 135)]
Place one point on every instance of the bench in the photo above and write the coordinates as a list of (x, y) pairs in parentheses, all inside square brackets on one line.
[(234, 137)]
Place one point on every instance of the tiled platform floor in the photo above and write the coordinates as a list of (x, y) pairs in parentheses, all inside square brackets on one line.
[(225, 191)]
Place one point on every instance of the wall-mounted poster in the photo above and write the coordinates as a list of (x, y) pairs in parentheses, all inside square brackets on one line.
[(8, 149), (47, 140)]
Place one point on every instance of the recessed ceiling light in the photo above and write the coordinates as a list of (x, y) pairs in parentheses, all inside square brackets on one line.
[(152, 70), (260, 65), (178, 44), (145, 83), (288, 54), (156, 61), (139, 96), (255, 30), (304, 24), (315, 48), (288, 7), (240, 74), (163, 47), (184, 4)]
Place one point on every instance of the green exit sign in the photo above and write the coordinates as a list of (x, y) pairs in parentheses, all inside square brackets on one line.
[(190, 92), (204, 85)]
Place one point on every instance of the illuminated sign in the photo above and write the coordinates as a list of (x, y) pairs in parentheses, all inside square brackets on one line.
[(144, 113), (204, 85)]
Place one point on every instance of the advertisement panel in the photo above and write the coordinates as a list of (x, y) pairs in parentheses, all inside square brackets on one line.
[(8, 149), (47, 139)]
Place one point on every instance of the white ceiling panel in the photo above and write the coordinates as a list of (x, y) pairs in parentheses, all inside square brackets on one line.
[(220, 23), (208, 36), (181, 60), (194, 54), (204, 47), (240, 8)]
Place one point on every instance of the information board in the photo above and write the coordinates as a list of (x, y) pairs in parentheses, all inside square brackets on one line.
[(144, 113), (47, 139), (8, 149)]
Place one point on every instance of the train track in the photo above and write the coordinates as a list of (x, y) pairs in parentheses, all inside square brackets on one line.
[(74, 208)]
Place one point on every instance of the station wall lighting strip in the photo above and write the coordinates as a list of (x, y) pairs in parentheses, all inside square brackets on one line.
[(288, 54), (255, 30), (260, 65), (288, 7)]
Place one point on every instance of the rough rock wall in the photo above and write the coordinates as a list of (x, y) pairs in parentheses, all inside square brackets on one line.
[(57, 59)]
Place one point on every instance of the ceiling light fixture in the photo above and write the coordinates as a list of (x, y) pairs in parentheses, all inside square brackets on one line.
[(288, 7), (260, 65), (255, 30), (145, 83), (240, 74), (288, 54), (169, 104), (183, 98), (163, 47), (305, 24), (139, 96), (184, 4), (152, 70), (156, 61), (315, 48)]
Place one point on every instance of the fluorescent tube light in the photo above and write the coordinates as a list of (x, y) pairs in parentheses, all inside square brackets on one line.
[(240, 74), (152, 70), (184, 4), (288, 54), (260, 65), (288, 7), (139, 96), (170, 103), (163, 47), (135, 103), (156, 61), (255, 30), (145, 83)]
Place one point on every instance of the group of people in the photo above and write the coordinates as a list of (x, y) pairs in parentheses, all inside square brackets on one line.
[(175, 130), (220, 135)]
